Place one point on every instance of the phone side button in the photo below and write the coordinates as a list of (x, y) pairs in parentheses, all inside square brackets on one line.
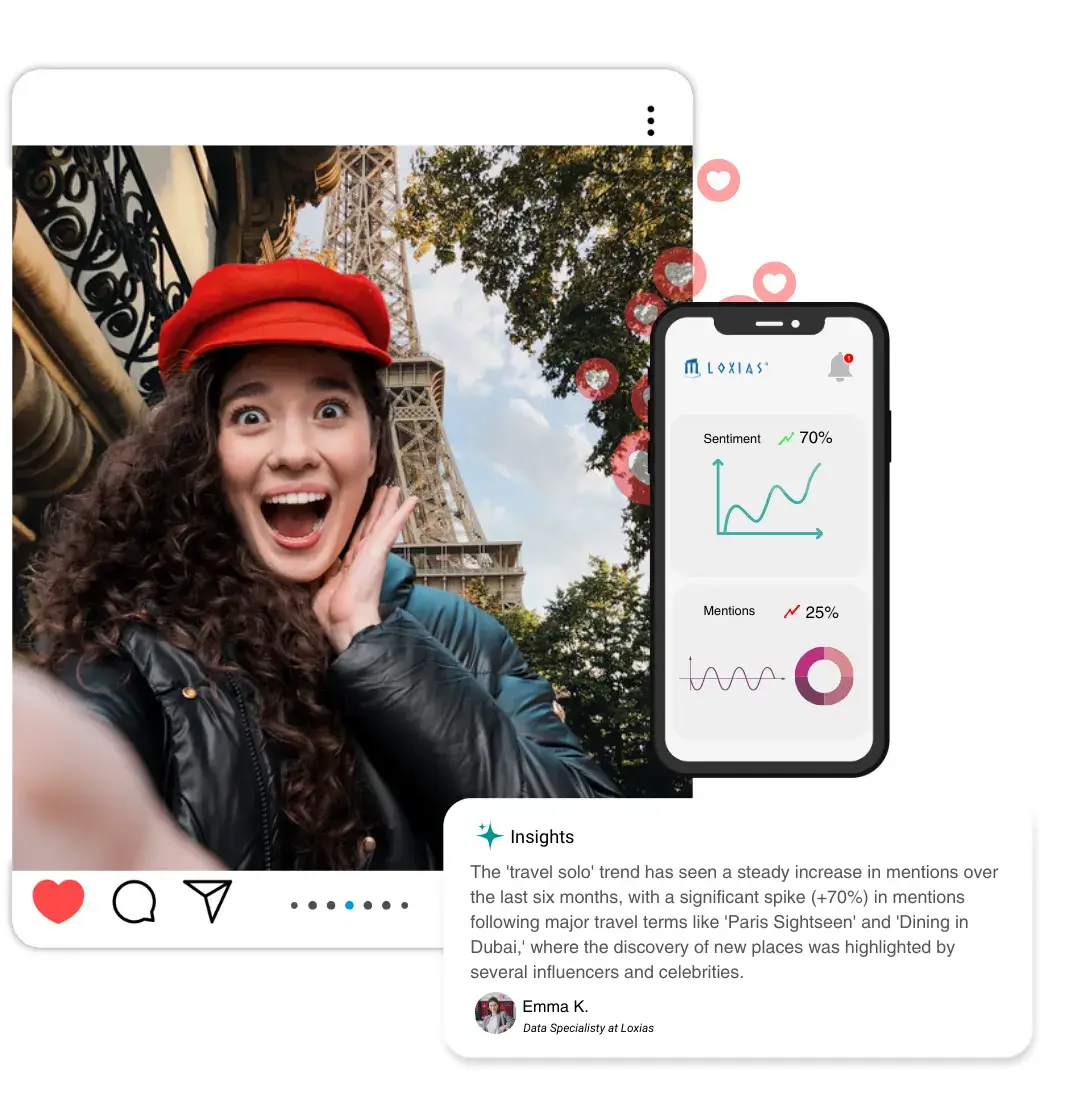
[(888, 436)]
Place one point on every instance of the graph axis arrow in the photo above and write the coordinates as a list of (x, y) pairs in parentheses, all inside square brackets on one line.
[(816, 533)]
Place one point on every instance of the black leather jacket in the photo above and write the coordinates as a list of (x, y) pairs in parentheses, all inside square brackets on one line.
[(441, 704)]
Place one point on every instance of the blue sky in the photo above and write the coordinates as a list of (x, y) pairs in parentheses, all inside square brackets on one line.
[(521, 451)]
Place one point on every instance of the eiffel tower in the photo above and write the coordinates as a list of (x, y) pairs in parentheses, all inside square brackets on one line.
[(443, 538)]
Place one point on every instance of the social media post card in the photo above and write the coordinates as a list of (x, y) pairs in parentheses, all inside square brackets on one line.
[(737, 927), (286, 563)]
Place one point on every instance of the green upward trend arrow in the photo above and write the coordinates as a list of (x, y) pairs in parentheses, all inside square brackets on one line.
[(723, 529)]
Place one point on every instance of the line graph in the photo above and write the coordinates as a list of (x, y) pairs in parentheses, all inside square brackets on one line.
[(767, 674), (722, 526)]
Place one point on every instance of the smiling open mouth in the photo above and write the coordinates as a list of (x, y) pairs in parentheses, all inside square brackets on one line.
[(296, 517)]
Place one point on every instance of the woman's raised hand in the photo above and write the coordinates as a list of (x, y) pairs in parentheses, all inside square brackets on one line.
[(348, 600), (82, 799)]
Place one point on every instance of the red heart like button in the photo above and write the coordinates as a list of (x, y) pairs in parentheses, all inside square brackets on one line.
[(59, 901)]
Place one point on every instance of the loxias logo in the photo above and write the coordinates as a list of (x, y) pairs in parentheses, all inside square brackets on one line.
[(693, 369)]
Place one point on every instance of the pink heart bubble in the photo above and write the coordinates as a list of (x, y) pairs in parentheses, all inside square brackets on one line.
[(639, 398), (773, 269), (630, 467), (642, 311), (713, 189), (597, 379), (679, 274)]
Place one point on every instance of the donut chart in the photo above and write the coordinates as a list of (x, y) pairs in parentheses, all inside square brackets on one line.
[(802, 676)]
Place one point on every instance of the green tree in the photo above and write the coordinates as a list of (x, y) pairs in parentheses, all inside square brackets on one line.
[(593, 645), (520, 622), (563, 236), (304, 248)]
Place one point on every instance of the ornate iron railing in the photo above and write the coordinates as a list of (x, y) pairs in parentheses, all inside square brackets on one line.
[(94, 208)]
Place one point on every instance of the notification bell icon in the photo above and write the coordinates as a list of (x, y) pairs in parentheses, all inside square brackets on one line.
[(838, 368)]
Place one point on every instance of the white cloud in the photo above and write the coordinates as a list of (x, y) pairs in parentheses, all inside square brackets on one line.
[(593, 482), (500, 469), (495, 520), (564, 512), (468, 332), (529, 412)]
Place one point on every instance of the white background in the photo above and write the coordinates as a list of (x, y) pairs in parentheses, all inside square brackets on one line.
[(917, 157), (975, 1002)]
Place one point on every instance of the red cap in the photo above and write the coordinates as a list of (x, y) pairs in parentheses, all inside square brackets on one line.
[(283, 302)]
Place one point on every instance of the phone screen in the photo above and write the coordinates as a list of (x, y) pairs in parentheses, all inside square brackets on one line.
[(769, 484)]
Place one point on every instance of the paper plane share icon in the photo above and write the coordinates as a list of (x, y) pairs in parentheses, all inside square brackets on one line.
[(212, 891)]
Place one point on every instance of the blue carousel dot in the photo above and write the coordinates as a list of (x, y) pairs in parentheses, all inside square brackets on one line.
[(348, 905)]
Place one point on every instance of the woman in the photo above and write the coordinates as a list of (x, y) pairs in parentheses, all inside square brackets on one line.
[(496, 1021), (224, 593)]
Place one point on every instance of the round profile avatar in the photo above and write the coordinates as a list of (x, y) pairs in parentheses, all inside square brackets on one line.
[(495, 1013)]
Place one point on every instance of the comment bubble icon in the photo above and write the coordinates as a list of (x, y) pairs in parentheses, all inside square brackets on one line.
[(134, 902)]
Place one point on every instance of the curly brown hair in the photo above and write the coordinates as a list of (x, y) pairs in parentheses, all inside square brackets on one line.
[(151, 540)]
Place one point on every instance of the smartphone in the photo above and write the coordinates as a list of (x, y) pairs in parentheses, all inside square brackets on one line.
[(769, 470)]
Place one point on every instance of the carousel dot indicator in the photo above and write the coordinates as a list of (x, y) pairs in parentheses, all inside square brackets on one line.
[(597, 379), (642, 311), (386, 905), (348, 905), (367, 904), (679, 274)]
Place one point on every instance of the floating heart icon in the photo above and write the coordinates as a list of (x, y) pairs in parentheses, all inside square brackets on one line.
[(774, 272), (641, 313), (630, 467), (58, 901), (718, 180), (597, 379), (639, 398), (639, 466), (678, 274)]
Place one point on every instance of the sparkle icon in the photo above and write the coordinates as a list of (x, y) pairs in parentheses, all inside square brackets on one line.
[(489, 834)]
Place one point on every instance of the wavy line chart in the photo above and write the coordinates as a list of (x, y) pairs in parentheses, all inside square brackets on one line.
[(766, 675), (723, 525)]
